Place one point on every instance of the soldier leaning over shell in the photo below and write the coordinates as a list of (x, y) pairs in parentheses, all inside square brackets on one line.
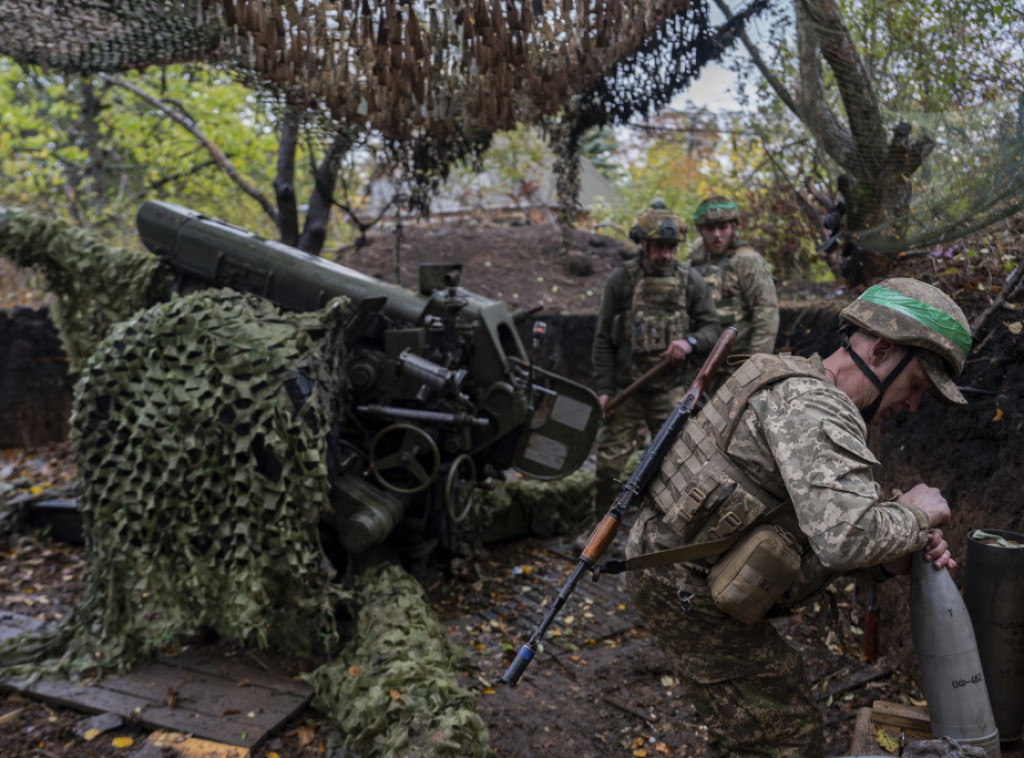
[(776, 471)]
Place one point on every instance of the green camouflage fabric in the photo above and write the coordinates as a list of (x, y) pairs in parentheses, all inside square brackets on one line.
[(746, 683), (612, 352), (658, 317), (800, 437), (744, 291)]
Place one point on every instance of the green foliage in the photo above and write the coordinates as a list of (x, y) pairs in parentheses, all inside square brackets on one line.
[(691, 154), (599, 145), (511, 169), (91, 151), (936, 55)]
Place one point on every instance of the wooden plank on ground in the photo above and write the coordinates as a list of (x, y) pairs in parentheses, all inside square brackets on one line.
[(14, 624), (210, 696), (149, 713), (239, 669), (198, 691), (898, 714), (867, 731)]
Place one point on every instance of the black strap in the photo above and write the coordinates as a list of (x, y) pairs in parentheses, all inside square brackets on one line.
[(869, 413)]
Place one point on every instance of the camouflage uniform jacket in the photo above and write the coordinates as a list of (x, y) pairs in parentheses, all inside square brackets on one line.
[(612, 352), (801, 440), (744, 291)]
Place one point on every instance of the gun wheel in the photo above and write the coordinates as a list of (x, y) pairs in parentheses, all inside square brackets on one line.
[(458, 488), (403, 458)]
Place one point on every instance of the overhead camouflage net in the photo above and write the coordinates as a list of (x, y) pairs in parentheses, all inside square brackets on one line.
[(435, 80)]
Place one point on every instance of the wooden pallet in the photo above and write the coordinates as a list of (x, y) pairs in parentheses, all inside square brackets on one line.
[(207, 695), (893, 721)]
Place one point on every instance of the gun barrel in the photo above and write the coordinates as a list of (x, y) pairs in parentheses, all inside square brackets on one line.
[(224, 255), (527, 652), (429, 417)]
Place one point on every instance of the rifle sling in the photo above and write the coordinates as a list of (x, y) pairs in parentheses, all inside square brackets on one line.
[(673, 555)]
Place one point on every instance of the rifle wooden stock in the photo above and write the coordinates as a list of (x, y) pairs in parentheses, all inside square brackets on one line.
[(630, 495), (619, 399)]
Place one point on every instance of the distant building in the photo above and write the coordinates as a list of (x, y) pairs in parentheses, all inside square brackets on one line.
[(491, 197)]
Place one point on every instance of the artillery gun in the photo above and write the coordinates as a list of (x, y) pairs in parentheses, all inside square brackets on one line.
[(439, 392)]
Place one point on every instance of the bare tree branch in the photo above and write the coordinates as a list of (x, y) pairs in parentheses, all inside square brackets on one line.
[(284, 180), (823, 20), (1008, 292), (222, 160)]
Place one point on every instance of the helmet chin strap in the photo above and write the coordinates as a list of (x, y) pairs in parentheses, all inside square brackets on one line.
[(869, 412)]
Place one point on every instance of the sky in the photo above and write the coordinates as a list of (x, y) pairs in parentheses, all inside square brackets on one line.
[(714, 89)]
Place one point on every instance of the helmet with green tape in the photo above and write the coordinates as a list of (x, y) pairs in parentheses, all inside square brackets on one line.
[(910, 313), (714, 209)]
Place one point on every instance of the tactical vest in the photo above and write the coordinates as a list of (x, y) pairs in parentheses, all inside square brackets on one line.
[(723, 286), (706, 496), (658, 314)]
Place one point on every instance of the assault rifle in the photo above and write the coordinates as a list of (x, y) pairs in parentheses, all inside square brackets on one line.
[(628, 498)]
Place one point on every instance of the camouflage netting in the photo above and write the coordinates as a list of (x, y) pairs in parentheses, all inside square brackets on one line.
[(393, 690), (96, 285), (197, 433), (405, 70), (200, 432), (528, 506), (436, 80)]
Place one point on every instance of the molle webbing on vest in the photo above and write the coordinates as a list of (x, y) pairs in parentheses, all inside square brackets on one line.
[(659, 312), (703, 441)]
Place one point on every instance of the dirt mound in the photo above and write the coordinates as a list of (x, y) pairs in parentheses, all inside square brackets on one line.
[(520, 265)]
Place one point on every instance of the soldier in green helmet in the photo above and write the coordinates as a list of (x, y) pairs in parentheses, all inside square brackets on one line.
[(739, 279), (768, 495), (654, 307)]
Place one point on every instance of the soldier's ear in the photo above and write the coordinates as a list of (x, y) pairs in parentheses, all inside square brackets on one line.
[(880, 350)]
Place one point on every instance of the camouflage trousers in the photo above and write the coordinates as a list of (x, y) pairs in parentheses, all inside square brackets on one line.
[(616, 439), (747, 685)]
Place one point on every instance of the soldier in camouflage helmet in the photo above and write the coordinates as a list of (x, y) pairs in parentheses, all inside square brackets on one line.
[(738, 276), (775, 471), (654, 307)]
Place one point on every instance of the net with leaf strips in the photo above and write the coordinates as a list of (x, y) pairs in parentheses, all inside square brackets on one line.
[(393, 689), (434, 80), (197, 432), (95, 284)]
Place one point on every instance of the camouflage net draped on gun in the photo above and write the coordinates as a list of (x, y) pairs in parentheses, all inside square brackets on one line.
[(201, 432), (197, 433), (393, 689), (95, 284)]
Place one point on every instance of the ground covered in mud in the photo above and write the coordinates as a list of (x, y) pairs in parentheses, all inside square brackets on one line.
[(616, 694)]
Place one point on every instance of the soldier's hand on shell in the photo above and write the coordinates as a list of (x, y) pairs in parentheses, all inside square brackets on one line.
[(936, 551)]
